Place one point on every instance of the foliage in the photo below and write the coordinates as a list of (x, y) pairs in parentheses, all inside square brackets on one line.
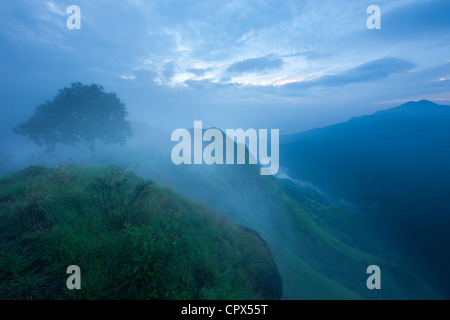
[(79, 114), (131, 239), (111, 195)]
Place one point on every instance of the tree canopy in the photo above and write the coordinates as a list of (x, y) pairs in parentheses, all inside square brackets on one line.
[(78, 115)]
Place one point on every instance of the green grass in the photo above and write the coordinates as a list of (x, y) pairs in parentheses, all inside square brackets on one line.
[(131, 239), (320, 250), (334, 250)]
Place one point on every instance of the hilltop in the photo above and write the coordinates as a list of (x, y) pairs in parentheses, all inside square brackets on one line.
[(131, 238)]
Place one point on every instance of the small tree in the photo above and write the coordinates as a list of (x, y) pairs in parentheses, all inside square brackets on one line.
[(78, 115)]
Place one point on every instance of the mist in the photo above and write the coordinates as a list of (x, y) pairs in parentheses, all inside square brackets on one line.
[(298, 67)]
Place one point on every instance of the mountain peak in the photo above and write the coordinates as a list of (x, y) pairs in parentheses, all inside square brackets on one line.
[(422, 108), (421, 103)]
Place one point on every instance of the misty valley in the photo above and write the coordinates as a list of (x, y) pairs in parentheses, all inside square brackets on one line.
[(224, 151), (206, 231)]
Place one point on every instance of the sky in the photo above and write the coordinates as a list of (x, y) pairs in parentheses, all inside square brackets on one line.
[(287, 65)]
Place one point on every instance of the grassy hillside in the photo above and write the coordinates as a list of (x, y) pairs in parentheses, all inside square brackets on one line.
[(339, 250), (131, 239), (320, 252)]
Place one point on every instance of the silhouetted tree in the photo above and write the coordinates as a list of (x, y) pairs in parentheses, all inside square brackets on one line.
[(78, 115)]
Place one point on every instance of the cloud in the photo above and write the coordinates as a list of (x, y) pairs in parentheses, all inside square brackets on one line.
[(169, 70), (145, 76), (164, 43), (310, 55), (367, 72), (55, 9), (208, 84), (413, 22), (125, 77), (422, 18), (269, 62), (198, 71)]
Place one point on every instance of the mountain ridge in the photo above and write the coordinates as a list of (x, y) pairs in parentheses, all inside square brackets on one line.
[(394, 167), (420, 108)]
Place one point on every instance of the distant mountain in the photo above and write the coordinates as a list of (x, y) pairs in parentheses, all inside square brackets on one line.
[(394, 166)]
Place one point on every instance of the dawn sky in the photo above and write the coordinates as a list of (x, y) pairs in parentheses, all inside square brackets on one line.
[(292, 65)]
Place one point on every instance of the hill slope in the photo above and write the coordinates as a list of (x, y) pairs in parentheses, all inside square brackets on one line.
[(395, 166), (131, 239), (320, 252)]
